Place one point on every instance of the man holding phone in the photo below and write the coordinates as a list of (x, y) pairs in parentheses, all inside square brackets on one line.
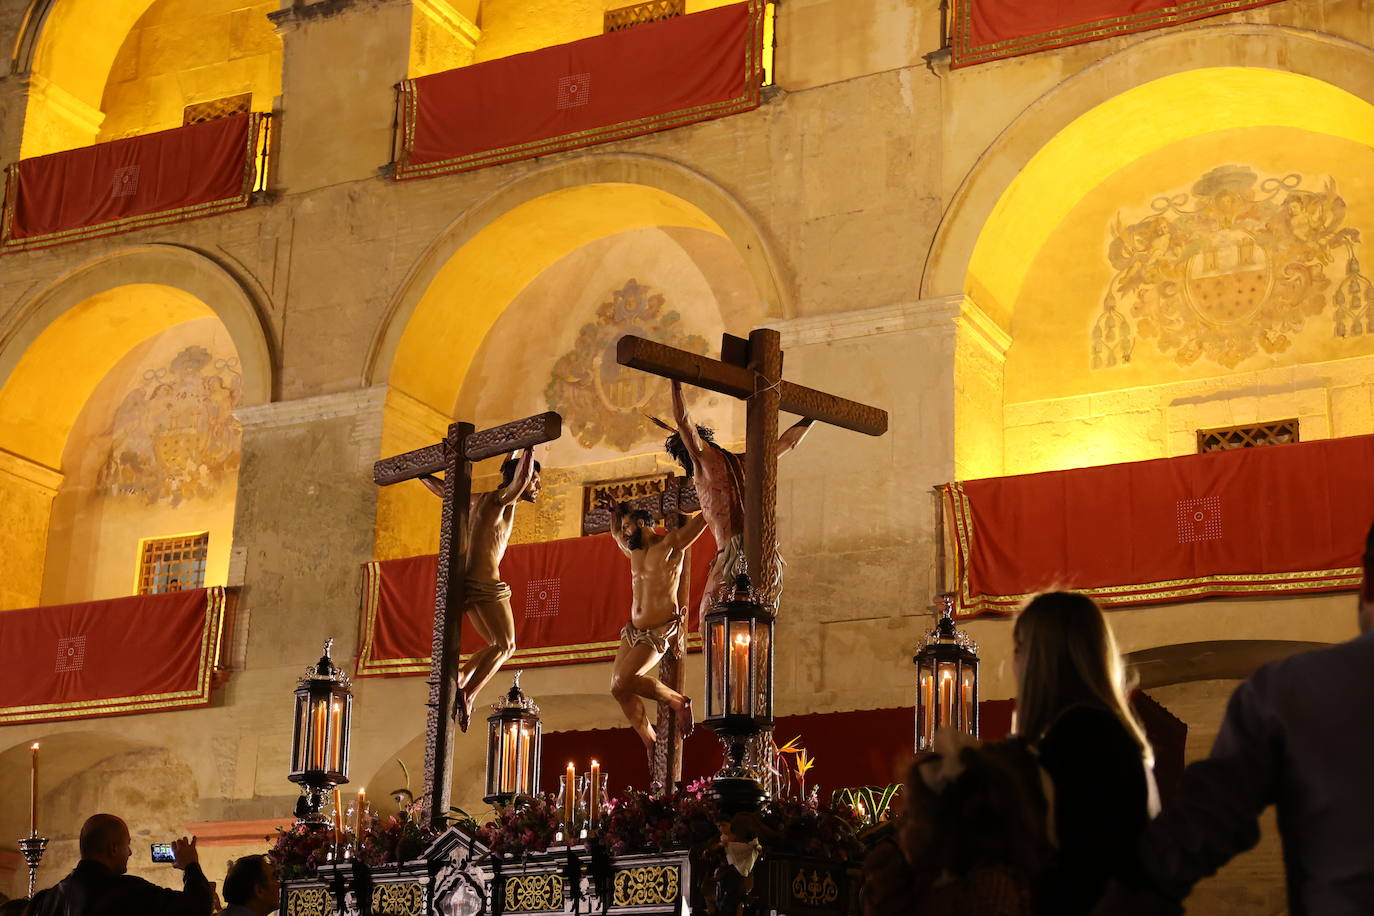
[(101, 886)]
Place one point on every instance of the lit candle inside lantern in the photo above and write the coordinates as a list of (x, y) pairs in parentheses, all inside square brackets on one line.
[(739, 674), (335, 739), (569, 797), (508, 758), (966, 713), (946, 697), (33, 792), (317, 737), (594, 794), (523, 761), (358, 815), (927, 709)]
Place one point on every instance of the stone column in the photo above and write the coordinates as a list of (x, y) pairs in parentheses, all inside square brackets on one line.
[(341, 62)]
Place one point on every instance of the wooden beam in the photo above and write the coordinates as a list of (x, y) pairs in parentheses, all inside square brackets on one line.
[(432, 459), (407, 466), (738, 382), (761, 463)]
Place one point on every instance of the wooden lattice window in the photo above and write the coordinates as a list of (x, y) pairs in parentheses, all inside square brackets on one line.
[(226, 107), (172, 564), (1280, 432), (640, 13)]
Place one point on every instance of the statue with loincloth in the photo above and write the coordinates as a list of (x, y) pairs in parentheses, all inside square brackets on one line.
[(719, 478), (487, 598), (658, 618)]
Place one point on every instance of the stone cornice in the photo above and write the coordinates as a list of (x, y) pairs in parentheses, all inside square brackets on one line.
[(924, 314), (302, 11), (237, 833), (308, 410), (29, 471)]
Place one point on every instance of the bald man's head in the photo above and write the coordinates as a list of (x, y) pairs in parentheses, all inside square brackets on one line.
[(105, 839)]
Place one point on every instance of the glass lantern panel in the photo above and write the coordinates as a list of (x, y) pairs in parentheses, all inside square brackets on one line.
[(337, 711), (510, 753), (715, 672), (319, 733), (763, 670), (738, 669), (523, 761), (302, 733), (493, 756), (925, 705), (946, 678), (968, 707)]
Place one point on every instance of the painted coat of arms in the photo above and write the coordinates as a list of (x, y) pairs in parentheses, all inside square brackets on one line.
[(175, 437), (1231, 270), (602, 400)]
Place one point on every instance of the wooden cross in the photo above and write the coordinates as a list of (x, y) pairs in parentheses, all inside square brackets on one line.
[(454, 456), (751, 370)]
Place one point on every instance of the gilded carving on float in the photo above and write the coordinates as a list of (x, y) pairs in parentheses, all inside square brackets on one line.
[(603, 401), (1235, 268), (646, 885), (174, 437)]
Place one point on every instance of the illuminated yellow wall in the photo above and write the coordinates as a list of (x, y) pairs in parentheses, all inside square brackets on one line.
[(181, 52), (1062, 412), (126, 474), (693, 285)]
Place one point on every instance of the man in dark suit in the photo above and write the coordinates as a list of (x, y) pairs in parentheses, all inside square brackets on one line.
[(100, 885), (1296, 735)]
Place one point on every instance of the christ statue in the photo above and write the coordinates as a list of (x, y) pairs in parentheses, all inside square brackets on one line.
[(658, 619), (719, 478), (487, 598)]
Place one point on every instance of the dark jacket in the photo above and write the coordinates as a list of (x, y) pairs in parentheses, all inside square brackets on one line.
[(93, 890), (1296, 735), (1101, 804)]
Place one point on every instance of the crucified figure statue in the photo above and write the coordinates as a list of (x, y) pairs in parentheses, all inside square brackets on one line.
[(487, 598), (719, 477), (658, 622)]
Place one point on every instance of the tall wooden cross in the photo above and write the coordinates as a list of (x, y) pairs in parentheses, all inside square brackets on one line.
[(454, 456), (751, 370)]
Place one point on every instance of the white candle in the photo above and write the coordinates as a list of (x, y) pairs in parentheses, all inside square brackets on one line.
[(33, 792)]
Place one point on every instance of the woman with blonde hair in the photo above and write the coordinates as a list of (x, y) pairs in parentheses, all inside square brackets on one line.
[(1071, 706)]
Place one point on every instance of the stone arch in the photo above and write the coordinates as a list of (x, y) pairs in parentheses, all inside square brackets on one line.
[(653, 188), (979, 197), (55, 353)]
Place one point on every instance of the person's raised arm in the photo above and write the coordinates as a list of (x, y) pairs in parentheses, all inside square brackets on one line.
[(617, 511), (793, 436), (686, 534), (524, 472), (433, 484), (685, 427)]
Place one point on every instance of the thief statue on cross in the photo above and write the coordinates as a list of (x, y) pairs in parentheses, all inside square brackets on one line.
[(719, 475), (486, 597), (658, 616)]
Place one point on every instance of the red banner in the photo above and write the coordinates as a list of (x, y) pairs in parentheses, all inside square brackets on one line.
[(570, 599), (985, 30), (636, 81), (107, 658), (1283, 519), (166, 177)]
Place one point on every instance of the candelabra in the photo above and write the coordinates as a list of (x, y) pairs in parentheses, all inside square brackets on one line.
[(32, 847)]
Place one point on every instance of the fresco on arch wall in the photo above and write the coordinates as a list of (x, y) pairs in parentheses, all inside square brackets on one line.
[(602, 401), (1236, 267), (174, 437)]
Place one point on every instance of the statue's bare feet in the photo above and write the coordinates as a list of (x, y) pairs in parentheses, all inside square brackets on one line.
[(462, 711), (684, 717)]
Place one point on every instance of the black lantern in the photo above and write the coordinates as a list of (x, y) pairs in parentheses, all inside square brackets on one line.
[(319, 744), (514, 734), (738, 640), (946, 680)]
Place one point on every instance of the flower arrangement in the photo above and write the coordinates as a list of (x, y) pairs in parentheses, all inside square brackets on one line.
[(393, 840), (530, 827), (300, 851)]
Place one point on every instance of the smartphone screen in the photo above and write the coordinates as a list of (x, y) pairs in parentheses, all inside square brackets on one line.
[(162, 852)]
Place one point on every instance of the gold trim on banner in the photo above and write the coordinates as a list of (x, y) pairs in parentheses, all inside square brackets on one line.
[(964, 53), (1220, 585), (143, 220), (751, 98), (210, 636)]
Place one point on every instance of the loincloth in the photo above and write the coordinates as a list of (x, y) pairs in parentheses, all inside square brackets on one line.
[(485, 590), (663, 637), (727, 564)]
